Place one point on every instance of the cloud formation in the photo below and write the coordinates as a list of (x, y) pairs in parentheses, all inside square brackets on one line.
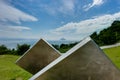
[(12, 14), (94, 3), (11, 28), (88, 26), (13, 31), (9, 14), (18, 28), (67, 5), (60, 6)]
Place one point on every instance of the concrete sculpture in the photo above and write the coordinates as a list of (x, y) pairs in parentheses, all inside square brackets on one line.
[(85, 61), (39, 56)]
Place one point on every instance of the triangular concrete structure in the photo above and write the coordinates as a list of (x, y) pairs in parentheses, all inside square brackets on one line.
[(85, 61), (39, 56)]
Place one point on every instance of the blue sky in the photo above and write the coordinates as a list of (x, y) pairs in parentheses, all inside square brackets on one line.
[(55, 19)]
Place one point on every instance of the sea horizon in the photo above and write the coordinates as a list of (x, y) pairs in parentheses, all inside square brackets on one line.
[(12, 43)]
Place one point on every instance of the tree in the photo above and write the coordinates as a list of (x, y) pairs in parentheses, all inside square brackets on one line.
[(109, 35), (4, 50), (56, 46), (21, 49)]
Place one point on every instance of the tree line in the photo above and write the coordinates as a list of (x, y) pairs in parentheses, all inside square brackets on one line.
[(109, 35), (64, 47), (21, 49)]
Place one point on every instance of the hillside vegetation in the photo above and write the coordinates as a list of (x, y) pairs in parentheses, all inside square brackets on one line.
[(109, 35)]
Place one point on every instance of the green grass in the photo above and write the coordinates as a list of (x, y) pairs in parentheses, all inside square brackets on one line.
[(10, 71), (114, 55)]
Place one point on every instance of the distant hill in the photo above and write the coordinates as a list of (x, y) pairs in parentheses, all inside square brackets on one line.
[(109, 35)]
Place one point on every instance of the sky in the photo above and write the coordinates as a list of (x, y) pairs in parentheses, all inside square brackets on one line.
[(56, 19)]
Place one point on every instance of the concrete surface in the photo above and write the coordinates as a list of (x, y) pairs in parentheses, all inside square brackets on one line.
[(110, 46), (85, 61), (39, 56)]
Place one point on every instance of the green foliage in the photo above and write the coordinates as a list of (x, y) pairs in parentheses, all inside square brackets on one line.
[(108, 36), (4, 50), (21, 49), (64, 47), (55, 46)]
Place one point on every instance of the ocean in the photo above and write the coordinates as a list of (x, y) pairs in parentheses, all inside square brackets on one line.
[(12, 43)]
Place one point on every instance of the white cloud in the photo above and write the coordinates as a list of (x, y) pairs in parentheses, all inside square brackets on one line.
[(18, 28), (14, 31), (11, 28), (10, 13), (86, 27), (61, 6), (67, 5), (94, 3)]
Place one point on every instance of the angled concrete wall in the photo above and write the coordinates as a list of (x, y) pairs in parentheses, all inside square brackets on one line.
[(85, 61), (39, 56)]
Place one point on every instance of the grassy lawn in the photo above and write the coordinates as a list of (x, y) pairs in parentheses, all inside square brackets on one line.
[(114, 55), (10, 71)]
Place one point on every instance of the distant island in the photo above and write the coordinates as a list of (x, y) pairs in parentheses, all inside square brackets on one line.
[(62, 39)]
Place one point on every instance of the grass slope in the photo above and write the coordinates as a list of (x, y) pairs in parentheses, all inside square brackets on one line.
[(10, 71), (114, 55)]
